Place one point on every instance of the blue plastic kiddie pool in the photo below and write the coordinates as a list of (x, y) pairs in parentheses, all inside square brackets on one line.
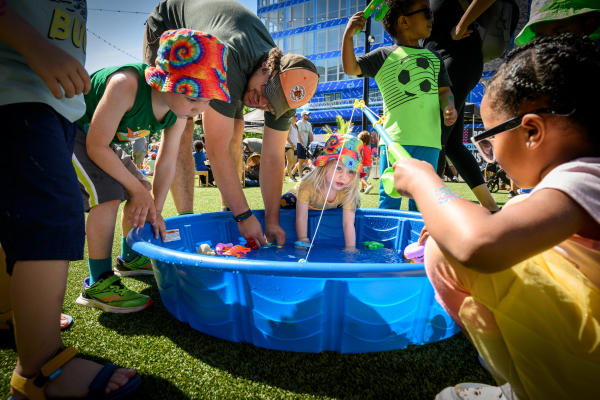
[(350, 303)]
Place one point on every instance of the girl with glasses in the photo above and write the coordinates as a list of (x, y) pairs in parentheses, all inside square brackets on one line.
[(524, 283)]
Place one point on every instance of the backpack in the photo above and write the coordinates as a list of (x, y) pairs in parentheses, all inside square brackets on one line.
[(496, 27)]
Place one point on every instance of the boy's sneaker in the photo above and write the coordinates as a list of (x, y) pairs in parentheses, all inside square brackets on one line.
[(109, 294), (368, 188), (140, 265)]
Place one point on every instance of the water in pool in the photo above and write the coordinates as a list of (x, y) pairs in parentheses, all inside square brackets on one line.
[(326, 253)]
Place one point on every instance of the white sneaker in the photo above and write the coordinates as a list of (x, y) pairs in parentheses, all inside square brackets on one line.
[(368, 188)]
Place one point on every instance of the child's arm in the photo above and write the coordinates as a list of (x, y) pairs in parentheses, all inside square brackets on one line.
[(447, 105), (302, 221), (349, 230), (482, 241), (164, 169), (118, 98), (55, 66), (351, 67)]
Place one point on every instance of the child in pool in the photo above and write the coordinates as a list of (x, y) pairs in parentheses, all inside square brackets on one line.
[(524, 283), (331, 184)]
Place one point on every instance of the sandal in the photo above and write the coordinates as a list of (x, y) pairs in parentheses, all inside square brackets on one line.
[(33, 388)]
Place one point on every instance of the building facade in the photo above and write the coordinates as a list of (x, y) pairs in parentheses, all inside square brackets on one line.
[(314, 28)]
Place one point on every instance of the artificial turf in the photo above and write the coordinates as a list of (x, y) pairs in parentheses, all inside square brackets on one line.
[(178, 362)]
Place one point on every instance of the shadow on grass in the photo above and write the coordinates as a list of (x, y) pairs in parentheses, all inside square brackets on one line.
[(417, 372)]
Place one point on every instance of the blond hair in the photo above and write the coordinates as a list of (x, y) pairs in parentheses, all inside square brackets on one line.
[(317, 178)]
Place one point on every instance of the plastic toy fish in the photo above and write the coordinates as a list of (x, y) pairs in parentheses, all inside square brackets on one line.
[(415, 252), (237, 251), (299, 243), (372, 245), (221, 247)]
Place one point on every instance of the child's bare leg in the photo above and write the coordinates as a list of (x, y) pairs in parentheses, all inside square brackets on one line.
[(36, 293), (452, 282), (100, 229)]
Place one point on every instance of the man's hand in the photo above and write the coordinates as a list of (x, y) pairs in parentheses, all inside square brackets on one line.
[(274, 232), (250, 228)]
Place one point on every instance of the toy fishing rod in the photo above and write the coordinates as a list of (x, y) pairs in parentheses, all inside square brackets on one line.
[(395, 151), (376, 7)]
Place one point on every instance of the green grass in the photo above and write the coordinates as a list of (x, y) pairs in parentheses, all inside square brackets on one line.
[(178, 362)]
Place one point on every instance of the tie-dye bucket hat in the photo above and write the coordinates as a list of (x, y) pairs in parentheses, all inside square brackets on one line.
[(350, 149), (192, 63)]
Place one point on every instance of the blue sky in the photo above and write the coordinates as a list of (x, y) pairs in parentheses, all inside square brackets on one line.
[(115, 38)]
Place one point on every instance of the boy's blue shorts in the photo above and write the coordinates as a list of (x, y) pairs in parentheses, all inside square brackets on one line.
[(41, 211)]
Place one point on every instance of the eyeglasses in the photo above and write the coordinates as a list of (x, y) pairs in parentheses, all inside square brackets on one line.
[(482, 140), (427, 13)]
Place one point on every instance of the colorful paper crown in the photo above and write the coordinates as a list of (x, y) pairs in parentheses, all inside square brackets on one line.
[(347, 146), (192, 63)]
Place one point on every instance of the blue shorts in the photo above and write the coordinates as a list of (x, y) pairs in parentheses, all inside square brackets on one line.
[(301, 152), (41, 212)]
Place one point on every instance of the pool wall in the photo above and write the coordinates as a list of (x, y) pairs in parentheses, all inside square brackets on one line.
[(308, 307)]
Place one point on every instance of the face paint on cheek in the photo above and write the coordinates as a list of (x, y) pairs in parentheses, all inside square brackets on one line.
[(444, 195)]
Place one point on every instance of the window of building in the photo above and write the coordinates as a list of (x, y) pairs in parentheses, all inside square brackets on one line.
[(332, 96), (321, 44), (309, 11), (355, 6), (377, 31), (333, 42), (333, 9), (320, 65), (308, 46), (332, 70), (321, 10)]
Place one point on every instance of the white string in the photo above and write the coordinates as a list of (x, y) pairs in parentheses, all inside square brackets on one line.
[(328, 191)]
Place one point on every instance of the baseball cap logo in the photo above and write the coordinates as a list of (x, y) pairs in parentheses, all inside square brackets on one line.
[(297, 93)]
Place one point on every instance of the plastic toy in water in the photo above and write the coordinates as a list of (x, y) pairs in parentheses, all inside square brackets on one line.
[(237, 251), (252, 244), (221, 247), (372, 245), (376, 7), (205, 249), (349, 303), (415, 252), (301, 244)]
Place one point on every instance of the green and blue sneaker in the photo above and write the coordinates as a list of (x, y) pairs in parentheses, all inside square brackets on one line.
[(109, 294), (140, 265)]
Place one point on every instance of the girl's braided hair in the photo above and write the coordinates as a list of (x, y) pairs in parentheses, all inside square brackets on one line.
[(397, 8), (562, 71)]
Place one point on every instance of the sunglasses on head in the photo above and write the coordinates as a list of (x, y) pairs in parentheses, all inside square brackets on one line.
[(427, 13), (482, 140)]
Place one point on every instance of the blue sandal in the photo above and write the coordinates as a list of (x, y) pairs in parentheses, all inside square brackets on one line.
[(33, 388)]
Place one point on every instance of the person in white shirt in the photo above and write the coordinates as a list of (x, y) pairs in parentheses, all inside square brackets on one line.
[(305, 137), (290, 150)]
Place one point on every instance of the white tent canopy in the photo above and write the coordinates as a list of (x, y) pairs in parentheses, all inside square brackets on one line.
[(254, 121)]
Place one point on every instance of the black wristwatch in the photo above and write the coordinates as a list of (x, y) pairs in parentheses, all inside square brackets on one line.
[(243, 216)]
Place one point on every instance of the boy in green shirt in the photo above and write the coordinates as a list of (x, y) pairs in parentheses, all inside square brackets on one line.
[(413, 82), (126, 103)]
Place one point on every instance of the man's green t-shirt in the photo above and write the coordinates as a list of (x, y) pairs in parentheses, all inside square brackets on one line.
[(137, 122), (408, 78), (246, 37)]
